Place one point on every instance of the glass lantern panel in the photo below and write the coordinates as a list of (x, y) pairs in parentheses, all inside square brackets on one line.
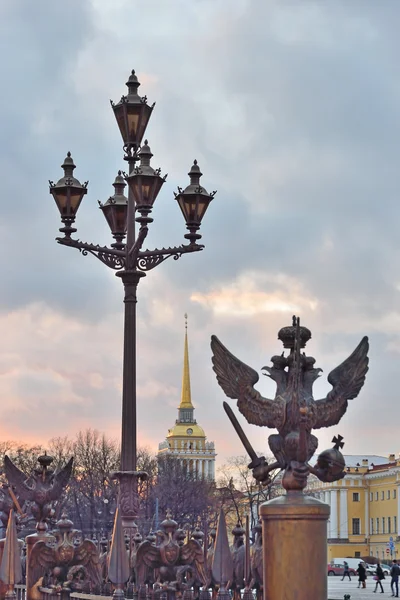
[(120, 214), (60, 196), (202, 205), (133, 119), (75, 200), (146, 192), (120, 116), (109, 216)]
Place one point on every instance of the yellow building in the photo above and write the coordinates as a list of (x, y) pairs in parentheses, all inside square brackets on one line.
[(365, 508), (186, 440)]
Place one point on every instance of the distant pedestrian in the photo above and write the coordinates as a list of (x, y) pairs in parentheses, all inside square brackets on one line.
[(346, 571), (362, 575), (379, 575), (395, 572)]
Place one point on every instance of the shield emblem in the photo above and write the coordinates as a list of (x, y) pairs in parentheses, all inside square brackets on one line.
[(170, 553)]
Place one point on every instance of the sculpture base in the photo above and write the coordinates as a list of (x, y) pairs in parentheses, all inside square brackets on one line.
[(294, 532), (128, 498)]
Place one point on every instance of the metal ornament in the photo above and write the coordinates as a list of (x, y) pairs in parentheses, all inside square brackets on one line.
[(41, 488), (118, 567), (256, 562), (222, 562), (293, 412), (174, 561), (11, 568), (67, 563)]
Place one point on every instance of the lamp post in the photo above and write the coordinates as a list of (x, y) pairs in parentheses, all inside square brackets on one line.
[(125, 254)]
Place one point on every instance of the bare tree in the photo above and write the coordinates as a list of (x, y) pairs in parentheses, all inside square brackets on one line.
[(239, 493), (187, 496)]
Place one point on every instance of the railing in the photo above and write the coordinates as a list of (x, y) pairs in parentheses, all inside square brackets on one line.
[(20, 590), (150, 594)]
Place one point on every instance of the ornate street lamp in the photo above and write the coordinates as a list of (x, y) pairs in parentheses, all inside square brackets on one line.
[(115, 211), (126, 256), (68, 193), (193, 202), (133, 114)]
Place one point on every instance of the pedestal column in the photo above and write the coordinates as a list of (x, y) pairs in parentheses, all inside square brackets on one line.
[(343, 516), (366, 528), (334, 510), (295, 527)]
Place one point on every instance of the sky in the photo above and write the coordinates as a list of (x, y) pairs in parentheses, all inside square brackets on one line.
[(292, 109)]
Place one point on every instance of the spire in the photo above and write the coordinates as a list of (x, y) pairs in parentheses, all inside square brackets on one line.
[(186, 398)]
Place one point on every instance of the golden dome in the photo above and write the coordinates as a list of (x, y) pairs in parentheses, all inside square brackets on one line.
[(186, 430)]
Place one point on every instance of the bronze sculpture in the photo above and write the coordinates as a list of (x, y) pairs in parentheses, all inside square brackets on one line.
[(256, 565), (56, 561), (293, 412), (237, 550), (169, 562), (41, 488)]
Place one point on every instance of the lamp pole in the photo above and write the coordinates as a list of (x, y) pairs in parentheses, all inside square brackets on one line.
[(126, 256)]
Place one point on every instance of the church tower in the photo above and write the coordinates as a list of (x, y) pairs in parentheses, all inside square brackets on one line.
[(186, 440)]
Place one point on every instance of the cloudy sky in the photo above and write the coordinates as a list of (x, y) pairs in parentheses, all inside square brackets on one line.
[(292, 109)]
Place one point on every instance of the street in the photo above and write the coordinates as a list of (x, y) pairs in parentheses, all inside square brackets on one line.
[(338, 588)]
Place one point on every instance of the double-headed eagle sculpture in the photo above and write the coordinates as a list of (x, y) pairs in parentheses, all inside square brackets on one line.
[(293, 411), (66, 559), (171, 560), (41, 488)]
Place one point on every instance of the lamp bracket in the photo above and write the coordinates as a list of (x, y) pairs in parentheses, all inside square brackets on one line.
[(113, 258), (116, 259), (149, 259)]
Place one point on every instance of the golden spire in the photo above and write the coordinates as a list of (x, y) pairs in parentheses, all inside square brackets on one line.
[(186, 398)]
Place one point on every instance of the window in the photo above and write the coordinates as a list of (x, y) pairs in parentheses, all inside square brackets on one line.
[(383, 525), (371, 496), (389, 525), (357, 554), (388, 495), (356, 526), (376, 496), (377, 524), (372, 526), (356, 497), (394, 494), (382, 495), (395, 524), (186, 415)]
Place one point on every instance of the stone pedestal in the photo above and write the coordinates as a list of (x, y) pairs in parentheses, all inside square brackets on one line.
[(294, 532)]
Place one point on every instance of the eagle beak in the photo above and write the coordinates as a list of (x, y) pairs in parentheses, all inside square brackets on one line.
[(266, 369)]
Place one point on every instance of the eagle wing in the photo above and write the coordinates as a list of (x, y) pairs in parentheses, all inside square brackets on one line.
[(17, 478), (237, 380), (148, 558), (86, 554), (60, 481), (192, 554), (347, 380), (42, 558)]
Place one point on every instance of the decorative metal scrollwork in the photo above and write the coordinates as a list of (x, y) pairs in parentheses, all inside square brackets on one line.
[(117, 259), (114, 262), (113, 258), (146, 263)]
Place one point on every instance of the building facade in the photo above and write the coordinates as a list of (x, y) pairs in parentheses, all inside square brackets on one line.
[(186, 440), (365, 508)]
